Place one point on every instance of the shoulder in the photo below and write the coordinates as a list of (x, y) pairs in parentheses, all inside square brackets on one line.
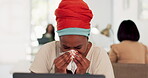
[(115, 45), (145, 46), (98, 53), (100, 60), (141, 44), (97, 50), (48, 47), (50, 44), (115, 48), (121, 44)]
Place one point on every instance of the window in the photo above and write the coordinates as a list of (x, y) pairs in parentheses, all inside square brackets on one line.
[(42, 13), (143, 9), (39, 21)]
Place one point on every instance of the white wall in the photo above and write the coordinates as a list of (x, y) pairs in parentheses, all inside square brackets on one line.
[(120, 13), (14, 29), (102, 11)]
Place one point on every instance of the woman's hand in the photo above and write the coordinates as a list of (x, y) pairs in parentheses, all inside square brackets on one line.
[(62, 62), (82, 63)]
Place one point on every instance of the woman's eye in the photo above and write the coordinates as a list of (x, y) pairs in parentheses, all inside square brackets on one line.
[(65, 47), (77, 47)]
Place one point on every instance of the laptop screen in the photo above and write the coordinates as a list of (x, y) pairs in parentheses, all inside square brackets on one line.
[(33, 75)]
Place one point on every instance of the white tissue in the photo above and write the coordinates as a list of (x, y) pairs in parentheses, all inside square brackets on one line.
[(72, 65)]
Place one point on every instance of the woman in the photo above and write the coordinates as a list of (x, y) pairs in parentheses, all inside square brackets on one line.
[(129, 50), (73, 27), (48, 36)]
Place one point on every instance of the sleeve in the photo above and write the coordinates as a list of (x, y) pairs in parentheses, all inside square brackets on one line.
[(40, 63), (104, 66), (113, 55)]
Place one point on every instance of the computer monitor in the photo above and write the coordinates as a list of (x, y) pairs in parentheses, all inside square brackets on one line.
[(33, 75)]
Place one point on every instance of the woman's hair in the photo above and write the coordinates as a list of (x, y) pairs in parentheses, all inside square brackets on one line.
[(128, 31), (52, 32)]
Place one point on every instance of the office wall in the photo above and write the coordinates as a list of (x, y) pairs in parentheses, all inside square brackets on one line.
[(14, 30), (102, 10), (129, 10)]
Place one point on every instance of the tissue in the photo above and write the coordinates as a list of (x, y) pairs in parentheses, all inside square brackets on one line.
[(72, 65)]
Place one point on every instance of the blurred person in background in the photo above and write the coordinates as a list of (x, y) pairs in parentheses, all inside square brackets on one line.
[(129, 50), (48, 36), (73, 28)]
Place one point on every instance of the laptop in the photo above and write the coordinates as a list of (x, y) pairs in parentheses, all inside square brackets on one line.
[(33, 75)]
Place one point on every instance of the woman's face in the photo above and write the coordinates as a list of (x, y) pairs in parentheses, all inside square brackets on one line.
[(50, 29), (75, 42)]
